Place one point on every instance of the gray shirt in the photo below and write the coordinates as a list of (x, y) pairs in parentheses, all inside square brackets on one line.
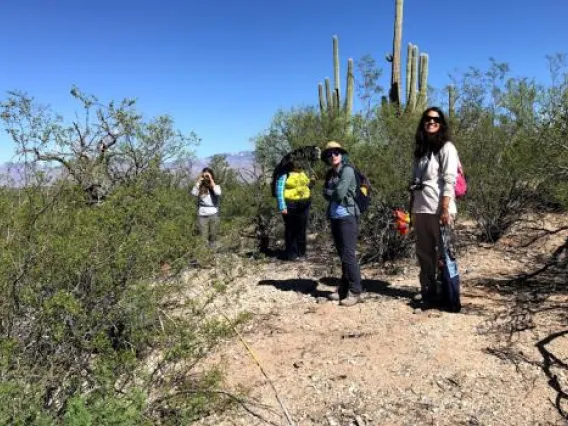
[(439, 172), (340, 191), (208, 204)]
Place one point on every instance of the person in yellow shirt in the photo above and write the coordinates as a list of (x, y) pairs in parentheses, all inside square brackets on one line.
[(294, 199)]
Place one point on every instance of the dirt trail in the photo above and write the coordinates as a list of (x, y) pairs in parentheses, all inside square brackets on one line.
[(383, 362)]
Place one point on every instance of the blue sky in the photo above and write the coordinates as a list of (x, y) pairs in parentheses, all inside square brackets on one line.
[(223, 67)]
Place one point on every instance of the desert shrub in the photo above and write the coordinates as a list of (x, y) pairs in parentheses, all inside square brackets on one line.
[(288, 131), (82, 308), (508, 139), (385, 157), (510, 133), (95, 327), (381, 240)]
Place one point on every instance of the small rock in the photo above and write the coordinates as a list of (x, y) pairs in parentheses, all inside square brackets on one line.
[(331, 421)]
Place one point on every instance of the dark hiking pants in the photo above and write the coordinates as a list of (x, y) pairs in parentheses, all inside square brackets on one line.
[(295, 228), (345, 232), (428, 251)]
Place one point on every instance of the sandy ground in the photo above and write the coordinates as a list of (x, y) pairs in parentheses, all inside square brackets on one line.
[(384, 362)]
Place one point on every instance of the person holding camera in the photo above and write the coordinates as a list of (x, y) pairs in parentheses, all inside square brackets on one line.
[(432, 201), (207, 193)]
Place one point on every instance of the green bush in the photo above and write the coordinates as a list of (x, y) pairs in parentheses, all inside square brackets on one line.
[(82, 306)]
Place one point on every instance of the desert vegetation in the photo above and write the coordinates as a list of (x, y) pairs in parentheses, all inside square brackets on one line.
[(97, 237)]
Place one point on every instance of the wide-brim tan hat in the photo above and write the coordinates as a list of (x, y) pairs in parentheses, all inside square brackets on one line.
[(333, 145)]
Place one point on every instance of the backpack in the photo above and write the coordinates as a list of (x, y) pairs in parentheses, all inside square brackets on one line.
[(460, 187), (449, 273), (216, 199), (461, 183), (362, 190), (305, 155)]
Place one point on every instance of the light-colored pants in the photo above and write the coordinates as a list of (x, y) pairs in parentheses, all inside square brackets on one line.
[(208, 226), (428, 250)]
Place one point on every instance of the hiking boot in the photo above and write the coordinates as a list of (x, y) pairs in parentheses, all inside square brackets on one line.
[(455, 308), (288, 257), (351, 299)]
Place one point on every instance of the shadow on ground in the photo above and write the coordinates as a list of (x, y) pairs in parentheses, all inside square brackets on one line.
[(378, 287), (373, 289), (299, 285), (310, 287)]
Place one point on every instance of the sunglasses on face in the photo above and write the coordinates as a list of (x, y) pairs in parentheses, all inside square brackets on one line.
[(333, 152), (430, 118)]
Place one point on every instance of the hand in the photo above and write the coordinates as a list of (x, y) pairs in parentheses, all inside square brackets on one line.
[(284, 212), (211, 182), (445, 217)]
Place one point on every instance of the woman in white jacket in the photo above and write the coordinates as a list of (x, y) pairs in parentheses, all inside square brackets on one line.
[(432, 195), (207, 193)]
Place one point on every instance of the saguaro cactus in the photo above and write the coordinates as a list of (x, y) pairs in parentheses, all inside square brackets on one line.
[(395, 89), (423, 90), (349, 88), (452, 102), (328, 95), (332, 103), (411, 101), (408, 71), (336, 70), (321, 96)]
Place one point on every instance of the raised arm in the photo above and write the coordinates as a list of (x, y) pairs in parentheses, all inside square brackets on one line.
[(195, 189)]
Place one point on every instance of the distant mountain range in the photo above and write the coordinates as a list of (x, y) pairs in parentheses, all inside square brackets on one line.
[(12, 174), (243, 160)]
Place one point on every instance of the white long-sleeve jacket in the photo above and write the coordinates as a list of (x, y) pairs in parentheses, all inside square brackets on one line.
[(438, 175), (208, 204)]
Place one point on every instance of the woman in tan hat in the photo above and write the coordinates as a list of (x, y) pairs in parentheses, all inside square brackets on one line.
[(339, 189)]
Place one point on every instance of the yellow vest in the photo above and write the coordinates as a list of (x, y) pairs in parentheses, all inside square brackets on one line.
[(296, 187)]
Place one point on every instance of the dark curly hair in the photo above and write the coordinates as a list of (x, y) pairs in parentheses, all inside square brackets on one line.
[(433, 143)]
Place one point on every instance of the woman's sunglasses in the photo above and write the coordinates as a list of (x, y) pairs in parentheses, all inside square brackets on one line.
[(428, 119), (332, 152)]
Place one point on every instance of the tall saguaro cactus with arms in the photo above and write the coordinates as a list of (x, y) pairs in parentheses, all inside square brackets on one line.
[(395, 93), (332, 104)]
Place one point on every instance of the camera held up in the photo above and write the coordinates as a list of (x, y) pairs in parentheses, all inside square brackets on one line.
[(416, 185)]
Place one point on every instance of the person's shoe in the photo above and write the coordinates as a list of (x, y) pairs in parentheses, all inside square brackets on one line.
[(287, 257), (351, 299), (454, 308), (417, 297)]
